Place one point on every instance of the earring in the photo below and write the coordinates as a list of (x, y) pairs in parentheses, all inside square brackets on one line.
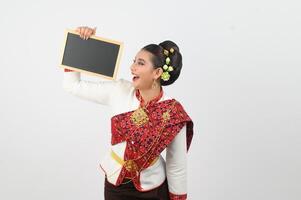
[(155, 84)]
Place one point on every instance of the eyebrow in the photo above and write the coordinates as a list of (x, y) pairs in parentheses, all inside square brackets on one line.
[(140, 59)]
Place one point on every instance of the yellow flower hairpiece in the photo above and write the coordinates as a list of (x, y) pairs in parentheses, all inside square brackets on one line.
[(166, 67)]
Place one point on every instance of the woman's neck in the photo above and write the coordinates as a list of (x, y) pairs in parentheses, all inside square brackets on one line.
[(150, 94)]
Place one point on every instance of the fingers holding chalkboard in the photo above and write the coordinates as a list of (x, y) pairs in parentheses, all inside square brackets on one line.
[(85, 32)]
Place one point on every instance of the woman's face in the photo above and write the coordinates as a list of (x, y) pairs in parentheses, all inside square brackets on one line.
[(143, 71)]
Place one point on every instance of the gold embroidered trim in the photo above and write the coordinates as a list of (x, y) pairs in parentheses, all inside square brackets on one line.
[(139, 117), (165, 116)]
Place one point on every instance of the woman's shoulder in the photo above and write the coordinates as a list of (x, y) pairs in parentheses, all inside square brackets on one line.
[(166, 96)]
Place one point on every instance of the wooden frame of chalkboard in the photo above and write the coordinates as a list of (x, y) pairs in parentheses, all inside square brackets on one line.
[(96, 56)]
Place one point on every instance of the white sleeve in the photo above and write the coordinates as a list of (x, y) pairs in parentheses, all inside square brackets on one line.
[(176, 164), (100, 92)]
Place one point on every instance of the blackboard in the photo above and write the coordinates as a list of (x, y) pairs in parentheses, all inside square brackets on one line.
[(96, 56)]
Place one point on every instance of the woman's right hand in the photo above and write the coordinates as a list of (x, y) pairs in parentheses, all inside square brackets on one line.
[(85, 32)]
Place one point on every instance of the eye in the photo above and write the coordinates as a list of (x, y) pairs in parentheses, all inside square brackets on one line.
[(139, 62)]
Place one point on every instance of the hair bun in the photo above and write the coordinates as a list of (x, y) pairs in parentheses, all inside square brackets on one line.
[(172, 67), (175, 61), (168, 44)]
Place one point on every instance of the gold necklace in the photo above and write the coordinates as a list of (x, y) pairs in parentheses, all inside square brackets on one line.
[(139, 116)]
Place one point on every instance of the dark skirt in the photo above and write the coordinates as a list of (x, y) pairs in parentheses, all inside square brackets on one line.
[(129, 192)]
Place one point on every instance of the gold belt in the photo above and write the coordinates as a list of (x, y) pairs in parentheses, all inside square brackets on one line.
[(129, 165)]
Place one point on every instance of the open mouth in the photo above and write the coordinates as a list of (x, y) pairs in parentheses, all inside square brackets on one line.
[(135, 78)]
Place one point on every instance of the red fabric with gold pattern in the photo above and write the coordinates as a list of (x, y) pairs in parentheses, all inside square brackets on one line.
[(145, 142), (177, 196), (68, 70)]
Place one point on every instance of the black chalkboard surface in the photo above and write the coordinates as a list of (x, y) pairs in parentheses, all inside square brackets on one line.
[(96, 56)]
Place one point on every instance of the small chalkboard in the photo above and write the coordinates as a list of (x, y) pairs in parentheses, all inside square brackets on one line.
[(96, 56)]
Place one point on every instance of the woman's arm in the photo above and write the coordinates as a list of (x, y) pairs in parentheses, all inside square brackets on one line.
[(100, 92), (176, 166)]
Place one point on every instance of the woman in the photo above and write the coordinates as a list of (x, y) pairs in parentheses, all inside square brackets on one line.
[(144, 122)]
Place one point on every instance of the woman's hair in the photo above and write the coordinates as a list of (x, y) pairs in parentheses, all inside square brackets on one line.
[(158, 59)]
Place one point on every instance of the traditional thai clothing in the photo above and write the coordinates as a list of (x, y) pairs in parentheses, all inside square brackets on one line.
[(139, 134)]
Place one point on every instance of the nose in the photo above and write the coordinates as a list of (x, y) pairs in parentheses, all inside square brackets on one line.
[(133, 69)]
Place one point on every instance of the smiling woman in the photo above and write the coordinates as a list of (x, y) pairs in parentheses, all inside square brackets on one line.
[(165, 54), (145, 121), (155, 66)]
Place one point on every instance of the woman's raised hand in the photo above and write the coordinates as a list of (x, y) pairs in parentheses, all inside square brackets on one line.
[(85, 32)]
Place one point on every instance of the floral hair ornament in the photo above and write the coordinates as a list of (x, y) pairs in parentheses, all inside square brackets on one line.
[(167, 67)]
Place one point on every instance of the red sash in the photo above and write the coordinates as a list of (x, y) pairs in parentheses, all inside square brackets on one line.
[(147, 136)]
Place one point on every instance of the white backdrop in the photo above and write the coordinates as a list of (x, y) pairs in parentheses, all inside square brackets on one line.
[(240, 84)]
